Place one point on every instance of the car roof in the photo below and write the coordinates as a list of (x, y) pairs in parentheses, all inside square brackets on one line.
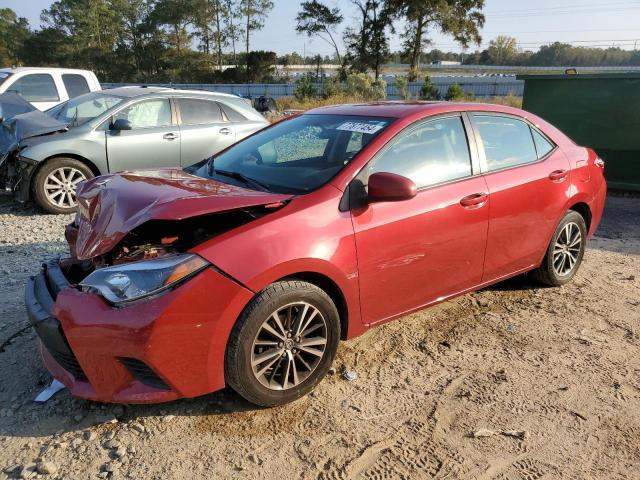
[(138, 91), (42, 69), (400, 109)]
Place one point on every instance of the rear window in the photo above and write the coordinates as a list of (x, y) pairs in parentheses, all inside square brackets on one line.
[(543, 146), (75, 84), (36, 87), (198, 112)]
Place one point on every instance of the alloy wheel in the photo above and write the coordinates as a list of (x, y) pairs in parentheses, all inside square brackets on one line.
[(289, 346), (60, 186), (566, 250)]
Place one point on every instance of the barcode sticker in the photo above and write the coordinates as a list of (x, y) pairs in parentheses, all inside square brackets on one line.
[(360, 127)]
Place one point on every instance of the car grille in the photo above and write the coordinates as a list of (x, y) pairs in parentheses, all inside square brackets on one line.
[(143, 373)]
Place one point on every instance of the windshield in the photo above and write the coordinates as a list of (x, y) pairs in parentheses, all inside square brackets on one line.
[(84, 108), (4, 76), (294, 156)]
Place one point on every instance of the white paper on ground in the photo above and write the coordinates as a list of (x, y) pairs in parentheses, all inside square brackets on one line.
[(50, 391)]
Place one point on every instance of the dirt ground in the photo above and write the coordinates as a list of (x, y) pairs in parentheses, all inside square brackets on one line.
[(548, 380)]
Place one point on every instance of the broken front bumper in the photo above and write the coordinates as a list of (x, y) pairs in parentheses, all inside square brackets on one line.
[(154, 350), (15, 176)]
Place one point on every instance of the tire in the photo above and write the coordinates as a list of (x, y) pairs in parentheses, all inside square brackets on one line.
[(64, 173), (250, 338), (552, 271)]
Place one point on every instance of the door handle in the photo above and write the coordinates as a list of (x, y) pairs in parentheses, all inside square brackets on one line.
[(476, 200), (226, 131), (558, 175), (170, 136)]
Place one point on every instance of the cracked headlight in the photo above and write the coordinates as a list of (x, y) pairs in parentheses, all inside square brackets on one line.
[(136, 280)]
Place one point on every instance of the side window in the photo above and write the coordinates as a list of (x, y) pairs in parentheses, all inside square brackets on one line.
[(434, 152), (199, 112), (36, 87), (507, 141), (543, 146), (75, 84), (231, 113), (147, 114)]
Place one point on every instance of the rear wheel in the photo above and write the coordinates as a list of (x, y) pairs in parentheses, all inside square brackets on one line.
[(54, 186), (283, 343), (565, 252)]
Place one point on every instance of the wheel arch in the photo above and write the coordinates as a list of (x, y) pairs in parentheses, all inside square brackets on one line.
[(92, 166), (585, 211), (332, 289)]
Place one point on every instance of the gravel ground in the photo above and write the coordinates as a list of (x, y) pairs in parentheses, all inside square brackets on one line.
[(513, 382)]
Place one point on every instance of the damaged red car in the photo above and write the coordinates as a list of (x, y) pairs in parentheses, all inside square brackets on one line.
[(247, 269)]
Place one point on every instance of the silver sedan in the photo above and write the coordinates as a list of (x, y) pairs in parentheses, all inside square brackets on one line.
[(130, 128)]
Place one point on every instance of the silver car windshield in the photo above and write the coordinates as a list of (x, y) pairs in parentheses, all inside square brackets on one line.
[(84, 108), (4, 76)]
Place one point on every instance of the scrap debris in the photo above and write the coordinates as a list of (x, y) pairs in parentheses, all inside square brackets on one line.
[(49, 392), (484, 433)]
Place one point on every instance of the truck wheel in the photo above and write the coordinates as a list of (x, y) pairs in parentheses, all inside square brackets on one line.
[(283, 343), (54, 186)]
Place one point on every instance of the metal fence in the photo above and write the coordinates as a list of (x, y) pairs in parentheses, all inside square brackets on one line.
[(481, 87)]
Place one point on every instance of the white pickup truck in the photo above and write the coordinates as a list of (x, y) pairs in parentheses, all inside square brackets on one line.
[(47, 87)]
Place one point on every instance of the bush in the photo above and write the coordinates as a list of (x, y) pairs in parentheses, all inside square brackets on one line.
[(429, 91), (305, 88), (457, 93), (402, 88), (362, 86), (331, 87)]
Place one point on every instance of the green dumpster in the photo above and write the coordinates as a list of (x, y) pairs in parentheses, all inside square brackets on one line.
[(601, 111)]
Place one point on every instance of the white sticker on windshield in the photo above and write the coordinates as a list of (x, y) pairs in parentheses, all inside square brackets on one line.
[(360, 127)]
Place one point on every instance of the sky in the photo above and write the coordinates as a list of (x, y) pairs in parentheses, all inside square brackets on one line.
[(579, 22)]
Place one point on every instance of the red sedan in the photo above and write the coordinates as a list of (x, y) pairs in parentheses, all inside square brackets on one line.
[(247, 269)]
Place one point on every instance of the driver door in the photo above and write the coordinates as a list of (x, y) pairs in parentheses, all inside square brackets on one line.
[(152, 142), (418, 251)]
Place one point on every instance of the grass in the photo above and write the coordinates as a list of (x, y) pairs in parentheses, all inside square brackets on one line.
[(292, 103)]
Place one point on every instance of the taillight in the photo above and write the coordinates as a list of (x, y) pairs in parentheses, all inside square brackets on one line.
[(599, 162)]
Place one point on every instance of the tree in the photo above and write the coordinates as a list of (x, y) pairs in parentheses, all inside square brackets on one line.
[(367, 44), (260, 66), (456, 93), (429, 91), (177, 15), (254, 12), (503, 50), (14, 32), (317, 19), (461, 19), (402, 88), (233, 31)]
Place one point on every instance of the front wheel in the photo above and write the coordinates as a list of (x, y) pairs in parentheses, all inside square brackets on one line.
[(55, 183), (565, 252), (283, 343)]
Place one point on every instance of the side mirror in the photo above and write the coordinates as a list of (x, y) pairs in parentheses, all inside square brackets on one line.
[(120, 124), (390, 187)]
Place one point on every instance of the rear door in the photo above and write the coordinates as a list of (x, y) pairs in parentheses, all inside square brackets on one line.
[(415, 252), (527, 177), (153, 141), (204, 128)]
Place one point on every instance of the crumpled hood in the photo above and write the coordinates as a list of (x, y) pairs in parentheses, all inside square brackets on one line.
[(112, 205), (19, 120)]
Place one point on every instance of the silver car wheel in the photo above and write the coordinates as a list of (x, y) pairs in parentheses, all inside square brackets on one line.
[(566, 250), (60, 186), (289, 346)]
